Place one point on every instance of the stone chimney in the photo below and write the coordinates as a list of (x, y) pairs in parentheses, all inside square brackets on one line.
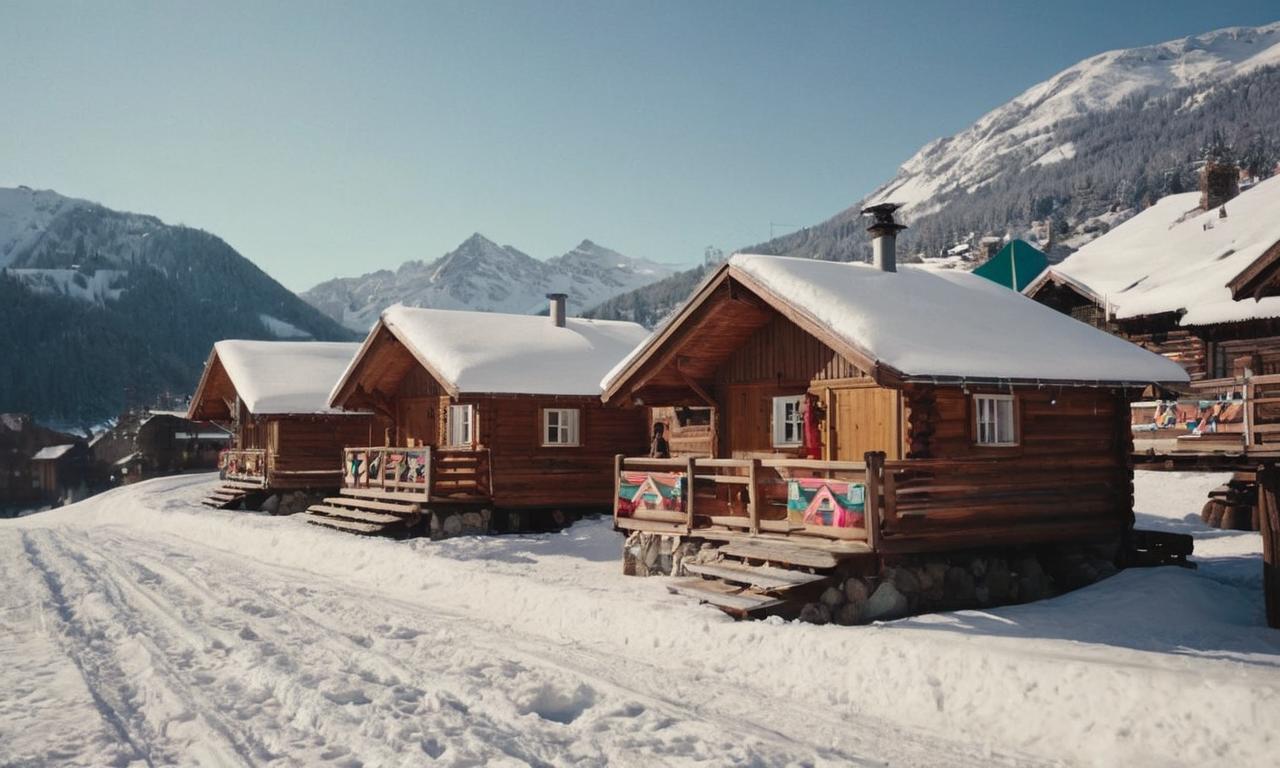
[(558, 300), (1219, 182), (884, 236)]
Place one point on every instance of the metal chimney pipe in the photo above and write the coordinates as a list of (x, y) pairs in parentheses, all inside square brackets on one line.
[(884, 236), (558, 301)]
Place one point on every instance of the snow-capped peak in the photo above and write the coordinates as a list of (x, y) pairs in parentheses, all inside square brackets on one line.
[(1024, 127)]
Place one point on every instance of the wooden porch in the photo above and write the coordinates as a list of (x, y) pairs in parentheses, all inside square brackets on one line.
[(816, 514), (386, 489)]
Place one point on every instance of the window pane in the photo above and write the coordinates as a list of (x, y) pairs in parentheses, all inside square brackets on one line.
[(1005, 421)]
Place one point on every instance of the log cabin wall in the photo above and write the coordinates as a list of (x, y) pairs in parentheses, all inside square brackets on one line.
[(1073, 442), (315, 443), (781, 360), (528, 474)]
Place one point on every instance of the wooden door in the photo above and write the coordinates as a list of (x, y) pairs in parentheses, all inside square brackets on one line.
[(416, 421), (866, 419)]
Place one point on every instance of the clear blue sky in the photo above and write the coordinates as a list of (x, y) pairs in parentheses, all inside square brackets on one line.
[(325, 139)]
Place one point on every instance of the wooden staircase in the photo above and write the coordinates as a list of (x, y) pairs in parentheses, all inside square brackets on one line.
[(229, 493), (743, 590), (367, 512)]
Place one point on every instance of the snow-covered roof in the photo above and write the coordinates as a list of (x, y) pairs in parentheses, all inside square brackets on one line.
[(50, 452), (926, 322), (285, 377), (490, 352), (1174, 257)]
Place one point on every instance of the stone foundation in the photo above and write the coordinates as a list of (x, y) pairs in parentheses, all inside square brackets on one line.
[(656, 554), (962, 580), (863, 591), (290, 502), (446, 524)]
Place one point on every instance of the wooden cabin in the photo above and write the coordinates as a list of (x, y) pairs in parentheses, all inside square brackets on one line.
[(273, 396), (1201, 287), (61, 473), (488, 413), (864, 412)]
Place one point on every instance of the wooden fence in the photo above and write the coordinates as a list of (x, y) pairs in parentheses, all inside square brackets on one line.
[(422, 471)]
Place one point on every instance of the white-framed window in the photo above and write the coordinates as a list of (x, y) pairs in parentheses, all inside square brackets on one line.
[(994, 420), (461, 425), (560, 426), (788, 421)]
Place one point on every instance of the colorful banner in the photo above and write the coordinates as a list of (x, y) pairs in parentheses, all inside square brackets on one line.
[(818, 501), (650, 490)]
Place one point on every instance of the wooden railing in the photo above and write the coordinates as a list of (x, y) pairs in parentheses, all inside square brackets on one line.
[(424, 471), (827, 499), (246, 465), (899, 505)]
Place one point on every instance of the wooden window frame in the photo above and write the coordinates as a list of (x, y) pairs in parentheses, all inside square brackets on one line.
[(976, 423), (777, 434), (470, 410), (573, 429)]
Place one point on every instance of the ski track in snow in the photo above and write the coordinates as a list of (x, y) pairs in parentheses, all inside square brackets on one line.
[(140, 629), (192, 655)]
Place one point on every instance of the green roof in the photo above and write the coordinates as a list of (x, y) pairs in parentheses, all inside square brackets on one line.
[(1025, 257)]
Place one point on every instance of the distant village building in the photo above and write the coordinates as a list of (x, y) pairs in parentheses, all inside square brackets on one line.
[(62, 473), (21, 482), (1199, 285)]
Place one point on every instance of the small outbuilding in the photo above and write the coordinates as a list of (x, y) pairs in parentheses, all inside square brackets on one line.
[(488, 412), (273, 396)]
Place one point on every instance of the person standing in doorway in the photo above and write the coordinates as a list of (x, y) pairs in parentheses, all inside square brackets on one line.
[(658, 447)]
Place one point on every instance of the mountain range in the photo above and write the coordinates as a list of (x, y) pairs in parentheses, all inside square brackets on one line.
[(482, 275), (1063, 162), (104, 309)]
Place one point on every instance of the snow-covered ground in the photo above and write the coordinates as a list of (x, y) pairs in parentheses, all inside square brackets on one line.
[(140, 627)]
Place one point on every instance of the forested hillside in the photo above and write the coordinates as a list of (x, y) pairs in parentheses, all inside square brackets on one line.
[(104, 309)]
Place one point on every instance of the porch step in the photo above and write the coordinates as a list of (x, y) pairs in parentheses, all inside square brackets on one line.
[(406, 497), (226, 495), (348, 513), (350, 526), (728, 598), (399, 508), (242, 485), (760, 576), (781, 552)]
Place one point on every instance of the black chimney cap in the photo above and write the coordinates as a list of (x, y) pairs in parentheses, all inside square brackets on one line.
[(883, 215)]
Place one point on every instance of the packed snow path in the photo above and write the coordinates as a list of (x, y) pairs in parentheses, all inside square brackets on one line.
[(140, 628)]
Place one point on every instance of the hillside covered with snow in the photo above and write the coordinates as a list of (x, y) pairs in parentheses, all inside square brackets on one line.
[(1079, 152), (108, 306), (481, 275), (139, 627)]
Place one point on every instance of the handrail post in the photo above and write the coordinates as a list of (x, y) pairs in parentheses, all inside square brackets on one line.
[(428, 467), (871, 505), (753, 496), (617, 484), (688, 500)]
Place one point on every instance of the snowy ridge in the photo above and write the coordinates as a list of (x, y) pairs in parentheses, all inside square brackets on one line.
[(25, 213), (482, 275), (1023, 127)]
